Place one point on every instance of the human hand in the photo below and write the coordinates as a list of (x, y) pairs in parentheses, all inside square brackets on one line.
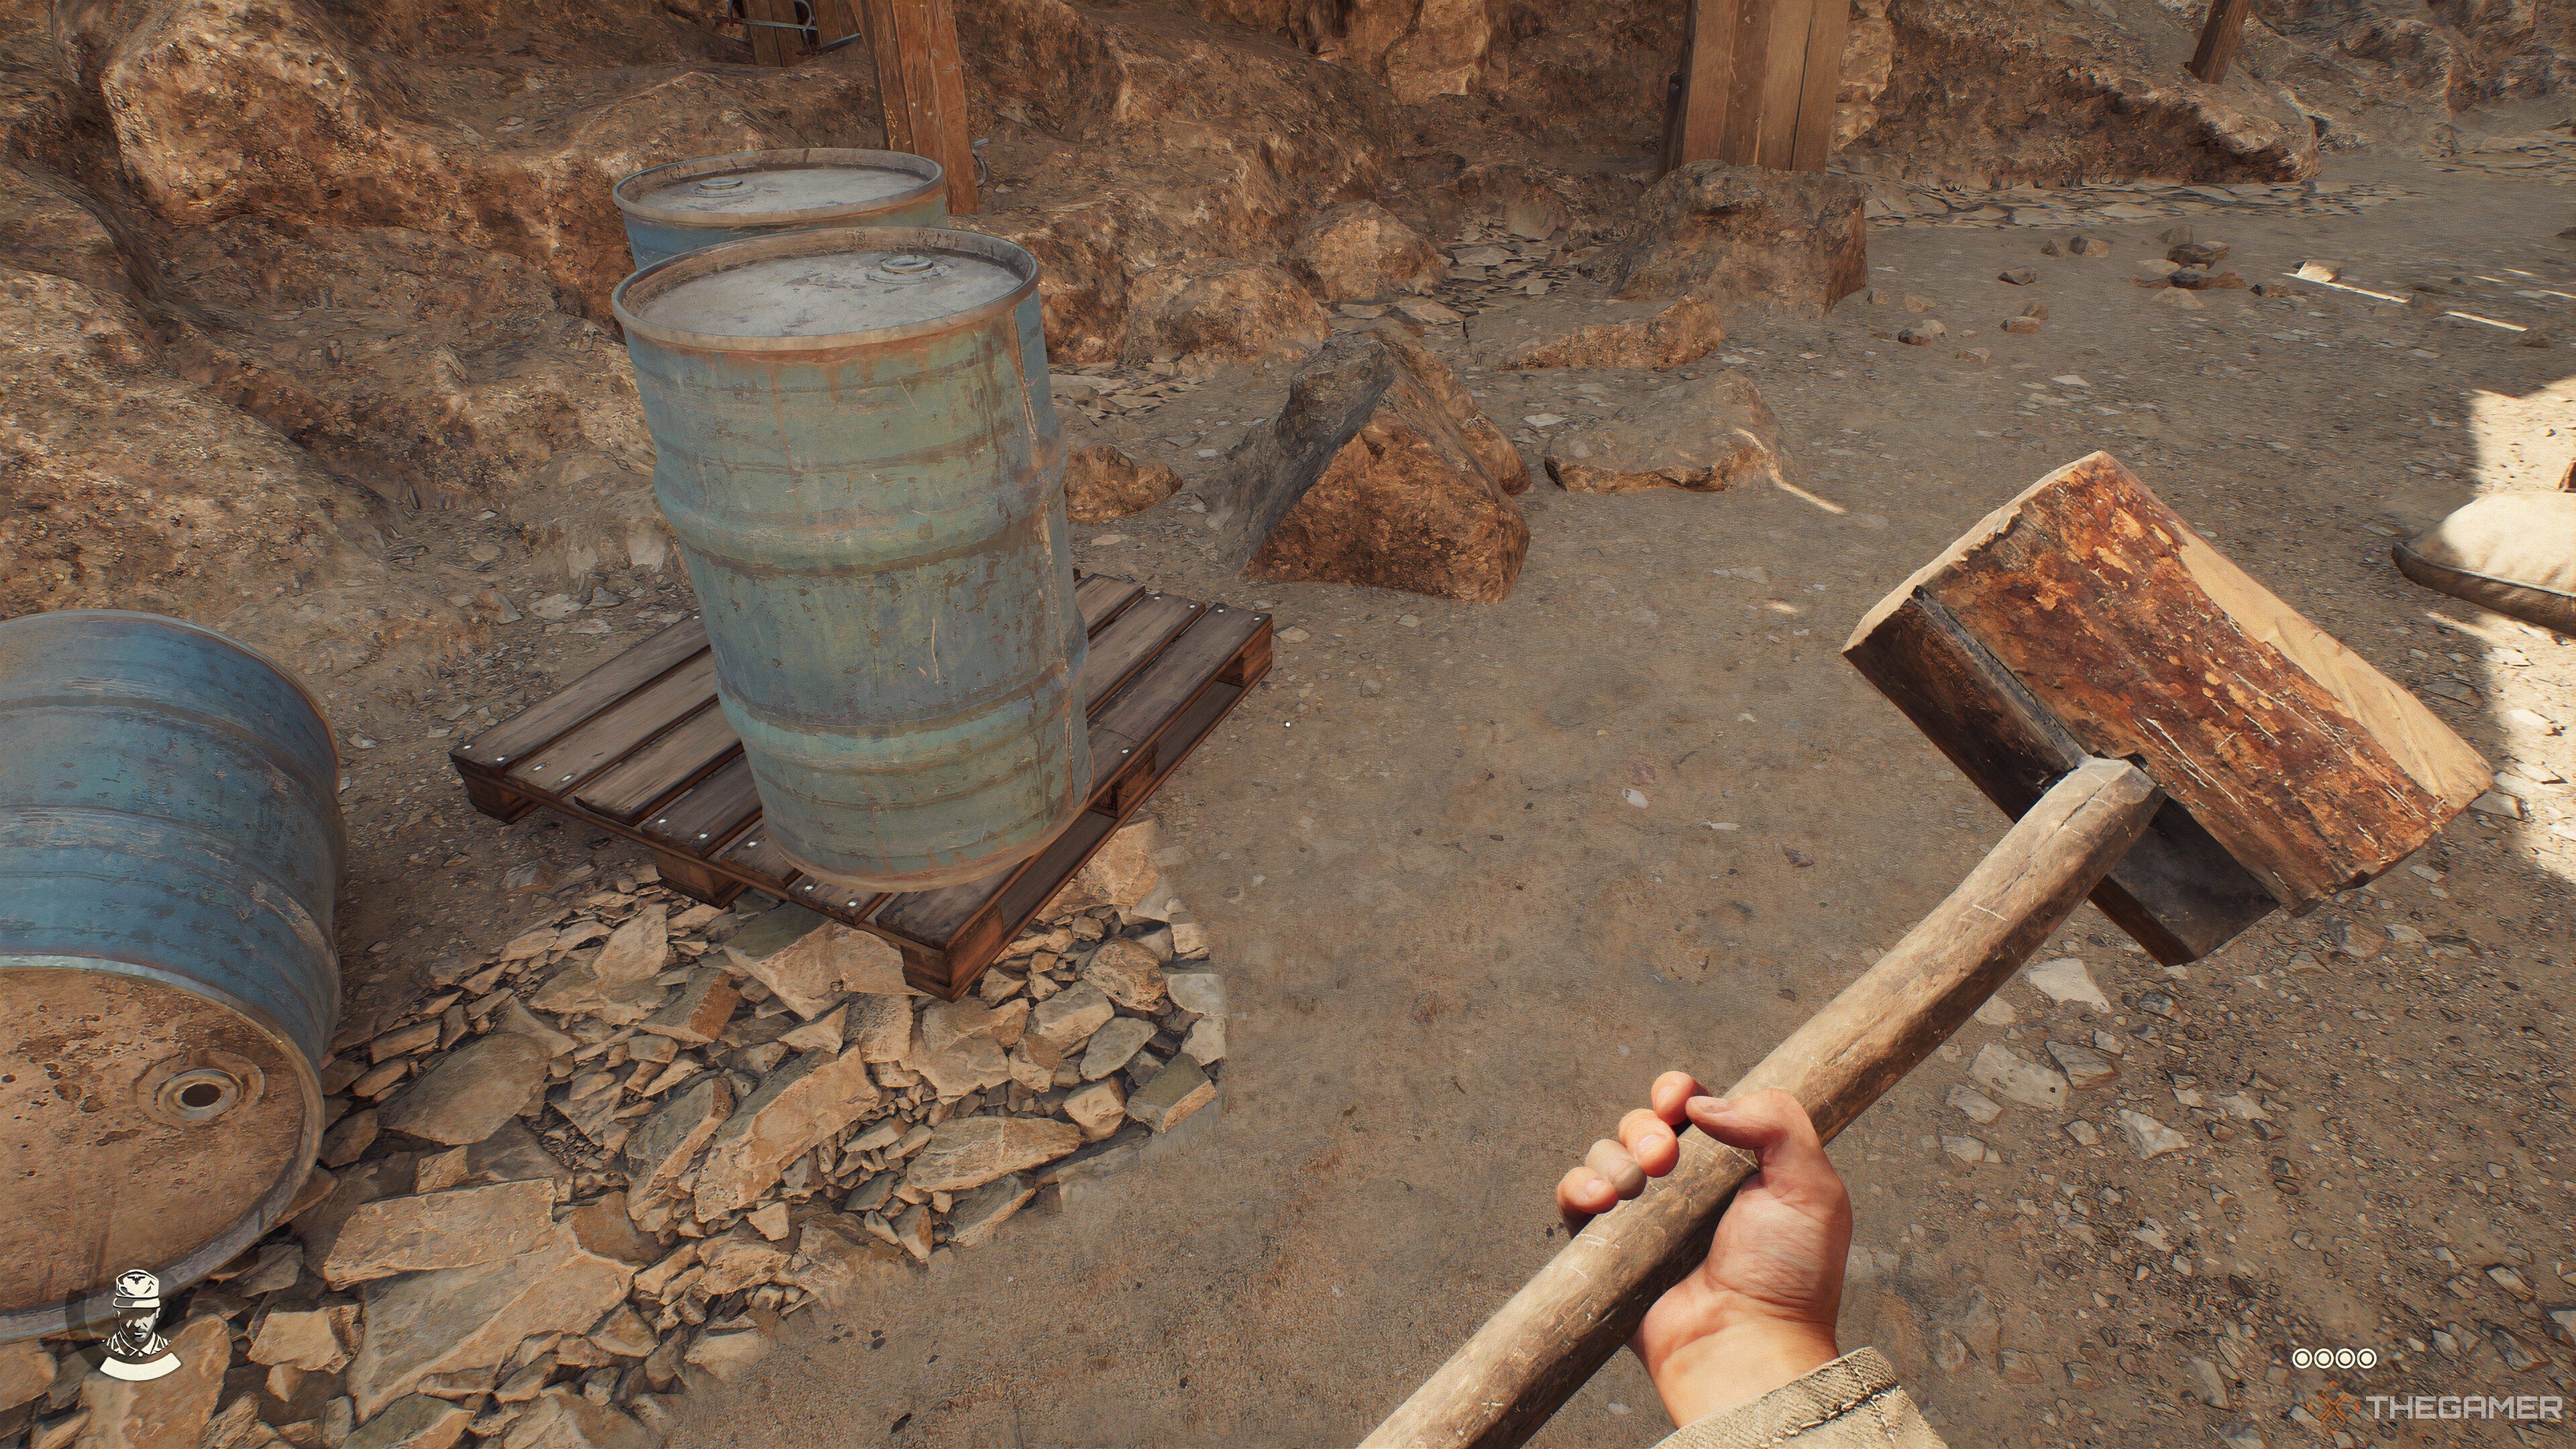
[(1760, 1311)]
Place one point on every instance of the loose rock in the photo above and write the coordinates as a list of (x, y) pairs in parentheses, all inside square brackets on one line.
[(1702, 435)]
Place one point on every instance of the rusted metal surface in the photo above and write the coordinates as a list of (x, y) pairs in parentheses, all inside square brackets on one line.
[(858, 455), (169, 845), (676, 209)]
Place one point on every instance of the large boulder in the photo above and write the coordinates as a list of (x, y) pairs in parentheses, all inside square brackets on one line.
[(1362, 250), (1704, 435), (1790, 241), (1379, 471)]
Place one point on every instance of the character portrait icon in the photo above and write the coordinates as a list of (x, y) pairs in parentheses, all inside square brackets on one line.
[(136, 1352)]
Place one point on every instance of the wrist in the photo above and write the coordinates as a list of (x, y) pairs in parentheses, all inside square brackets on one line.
[(1739, 1363)]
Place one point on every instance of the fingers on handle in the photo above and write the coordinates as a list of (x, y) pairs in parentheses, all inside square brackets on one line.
[(1582, 1193), (1775, 1129), (1671, 1094), (1650, 1142), (1616, 1167)]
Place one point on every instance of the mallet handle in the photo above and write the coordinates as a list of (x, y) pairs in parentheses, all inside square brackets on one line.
[(1540, 1347)]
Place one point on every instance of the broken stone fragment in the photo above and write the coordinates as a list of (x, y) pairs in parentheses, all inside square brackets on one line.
[(561, 1418), (458, 1318), (1597, 334), (879, 1028), (451, 1229), (637, 949), (1380, 472), (1065, 1021), (1199, 992), (726, 1356), (697, 1015), (414, 1421), (2066, 979), (577, 988), (810, 961), (1206, 1042), (1703, 434), (1980, 1108), (2009, 1074), (1127, 974), (1113, 1045), (1175, 1092), (349, 1138), (1361, 251), (170, 1412), (911, 1232), (1097, 1109), (740, 1259), (314, 1340), (2083, 1066), (796, 1106), (2150, 1137), (1119, 873), (975, 1215), (1791, 241), (966, 1152), (822, 1034)]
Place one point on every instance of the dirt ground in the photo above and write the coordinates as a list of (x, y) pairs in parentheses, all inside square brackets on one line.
[(1478, 872)]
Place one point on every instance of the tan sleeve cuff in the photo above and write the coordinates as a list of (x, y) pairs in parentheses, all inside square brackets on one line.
[(1851, 1403)]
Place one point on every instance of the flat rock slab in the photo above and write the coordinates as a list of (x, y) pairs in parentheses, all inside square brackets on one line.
[(472, 1318), (968, 1152), (1788, 241), (169, 1412), (797, 1105), (471, 1092), (456, 1228), (1702, 434), (1570, 332), (810, 961)]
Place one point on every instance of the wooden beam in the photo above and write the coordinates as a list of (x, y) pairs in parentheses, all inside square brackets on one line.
[(922, 85), (1698, 129), (1812, 133), (2218, 37), (1783, 78)]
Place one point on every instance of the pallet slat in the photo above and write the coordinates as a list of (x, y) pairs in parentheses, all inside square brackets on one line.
[(546, 721), (639, 746)]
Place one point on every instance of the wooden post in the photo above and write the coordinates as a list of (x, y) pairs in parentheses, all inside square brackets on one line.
[(1698, 121), (771, 27), (1758, 83), (2218, 37), (1540, 1347), (923, 88)]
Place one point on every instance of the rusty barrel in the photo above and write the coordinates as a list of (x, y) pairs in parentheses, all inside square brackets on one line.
[(858, 455), (675, 209), (169, 844)]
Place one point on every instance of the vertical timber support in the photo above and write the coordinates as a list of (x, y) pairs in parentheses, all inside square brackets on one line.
[(923, 86), (1757, 84), (2218, 37)]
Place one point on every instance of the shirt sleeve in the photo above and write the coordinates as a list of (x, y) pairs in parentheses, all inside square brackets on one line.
[(1852, 1403)]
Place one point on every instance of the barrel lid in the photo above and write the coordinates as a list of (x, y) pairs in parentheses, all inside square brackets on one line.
[(811, 286), (796, 187)]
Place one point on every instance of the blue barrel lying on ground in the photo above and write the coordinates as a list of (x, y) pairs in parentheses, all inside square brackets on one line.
[(170, 841), (858, 455), (676, 209)]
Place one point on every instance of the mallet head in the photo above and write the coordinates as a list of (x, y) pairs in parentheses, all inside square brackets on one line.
[(2085, 617)]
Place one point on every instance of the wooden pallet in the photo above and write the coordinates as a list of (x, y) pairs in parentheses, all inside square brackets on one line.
[(638, 746)]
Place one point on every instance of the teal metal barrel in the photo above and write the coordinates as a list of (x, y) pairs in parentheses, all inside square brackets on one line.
[(676, 209), (169, 845), (859, 458)]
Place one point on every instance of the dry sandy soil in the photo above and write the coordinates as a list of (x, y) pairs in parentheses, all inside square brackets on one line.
[(1478, 872)]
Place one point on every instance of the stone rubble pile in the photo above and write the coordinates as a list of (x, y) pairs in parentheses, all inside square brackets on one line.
[(599, 1167)]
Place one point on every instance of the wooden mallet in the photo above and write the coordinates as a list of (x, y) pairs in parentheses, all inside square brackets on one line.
[(2174, 741)]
